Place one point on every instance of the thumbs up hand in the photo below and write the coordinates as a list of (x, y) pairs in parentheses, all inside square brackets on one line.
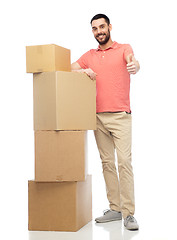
[(132, 64)]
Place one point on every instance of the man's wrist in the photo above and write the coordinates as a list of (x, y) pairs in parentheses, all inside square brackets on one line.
[(78, 70)]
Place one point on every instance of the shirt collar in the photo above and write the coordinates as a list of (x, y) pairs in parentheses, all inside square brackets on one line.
[(113, 46)]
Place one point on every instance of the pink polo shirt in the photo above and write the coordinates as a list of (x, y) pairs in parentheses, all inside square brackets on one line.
[(113, 79)]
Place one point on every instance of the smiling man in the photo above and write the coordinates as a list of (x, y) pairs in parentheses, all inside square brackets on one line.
[(111, 65)]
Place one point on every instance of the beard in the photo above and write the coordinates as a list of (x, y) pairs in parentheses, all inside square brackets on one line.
[(105, 40)]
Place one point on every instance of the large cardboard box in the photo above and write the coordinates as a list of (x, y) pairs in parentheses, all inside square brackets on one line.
[(61, 156), (64, 101), (47, 58), (65, 206)]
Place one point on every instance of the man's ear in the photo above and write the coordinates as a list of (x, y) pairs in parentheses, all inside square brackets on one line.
[(110, 27)]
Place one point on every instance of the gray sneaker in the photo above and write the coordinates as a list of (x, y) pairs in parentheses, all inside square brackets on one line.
[(108, 216), (130, 223)]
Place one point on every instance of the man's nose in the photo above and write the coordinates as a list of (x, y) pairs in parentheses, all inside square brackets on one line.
[(99, 30)]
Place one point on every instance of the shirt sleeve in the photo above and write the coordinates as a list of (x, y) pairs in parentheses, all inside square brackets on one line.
[(128, 50), (83, 60)]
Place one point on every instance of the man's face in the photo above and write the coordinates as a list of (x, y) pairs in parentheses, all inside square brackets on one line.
[(101, 30)]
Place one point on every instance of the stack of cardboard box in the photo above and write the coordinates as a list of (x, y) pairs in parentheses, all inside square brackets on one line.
[(60, 199)]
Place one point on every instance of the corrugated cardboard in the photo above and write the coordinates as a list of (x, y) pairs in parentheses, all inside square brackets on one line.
[(60, 156), (63, 206), (64, 101), (47, 58)]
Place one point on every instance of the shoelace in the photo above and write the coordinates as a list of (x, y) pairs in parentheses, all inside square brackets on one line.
[(131, 219), (106, 211)]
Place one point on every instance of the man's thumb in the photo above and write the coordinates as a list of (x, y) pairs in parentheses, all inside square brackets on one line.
[(129, 58)]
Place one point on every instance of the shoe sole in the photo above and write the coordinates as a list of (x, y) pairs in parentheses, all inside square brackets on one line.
[(132, 229), (110, 220)]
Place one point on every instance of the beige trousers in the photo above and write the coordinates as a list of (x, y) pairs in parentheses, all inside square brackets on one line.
[(114, 133)]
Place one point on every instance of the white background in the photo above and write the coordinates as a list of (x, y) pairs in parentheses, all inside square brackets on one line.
[(150, 28)]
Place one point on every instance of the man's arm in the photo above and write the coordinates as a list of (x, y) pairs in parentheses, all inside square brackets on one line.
[(75, 67), (132, 64)]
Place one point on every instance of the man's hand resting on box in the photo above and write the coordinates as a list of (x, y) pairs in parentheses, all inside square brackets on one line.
[(90, 73)]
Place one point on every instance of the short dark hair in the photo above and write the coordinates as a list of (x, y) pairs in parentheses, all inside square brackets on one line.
[(100, 15)]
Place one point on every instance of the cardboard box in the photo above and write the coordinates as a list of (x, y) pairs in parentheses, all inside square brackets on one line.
[(47, 58), (65, 206), (60, 156), (64, 101)]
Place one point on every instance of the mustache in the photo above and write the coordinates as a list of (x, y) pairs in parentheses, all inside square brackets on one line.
[(100, 34)]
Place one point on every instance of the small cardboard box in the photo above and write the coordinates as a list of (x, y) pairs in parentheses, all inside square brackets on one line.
[(65, 206), (60, 156), (64, 101), (47, 58)]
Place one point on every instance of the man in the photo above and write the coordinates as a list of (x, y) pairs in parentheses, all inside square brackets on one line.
[(111, 65)]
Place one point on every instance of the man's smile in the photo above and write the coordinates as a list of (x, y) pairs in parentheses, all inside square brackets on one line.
[(101, 35)]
